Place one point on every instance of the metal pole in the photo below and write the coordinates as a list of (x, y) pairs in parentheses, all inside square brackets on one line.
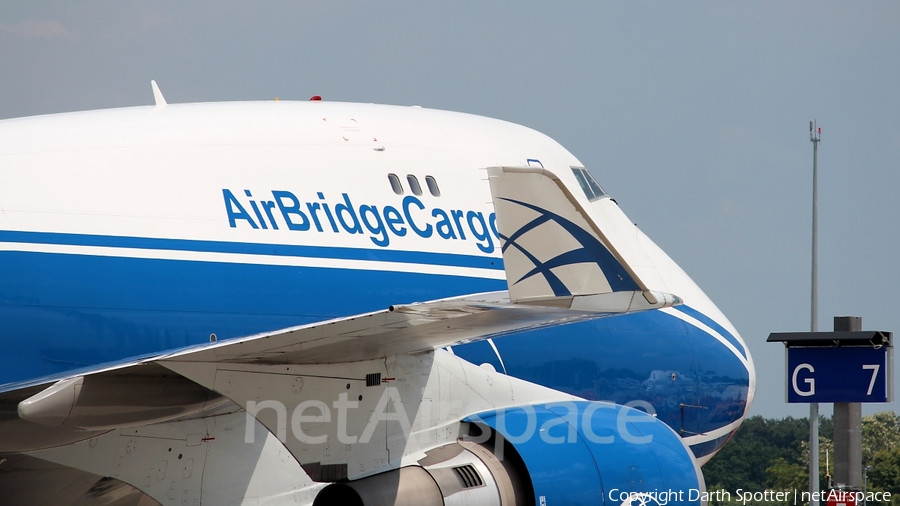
[(814, 454), (814, 137), (848, 468)]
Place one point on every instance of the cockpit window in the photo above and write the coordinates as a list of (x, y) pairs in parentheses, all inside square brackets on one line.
[(588, 184)]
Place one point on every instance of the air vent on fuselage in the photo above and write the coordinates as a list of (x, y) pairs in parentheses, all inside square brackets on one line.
[(373, 380), (469, 476)]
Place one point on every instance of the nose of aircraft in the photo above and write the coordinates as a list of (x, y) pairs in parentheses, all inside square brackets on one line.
[(726, 381), (676, 363)]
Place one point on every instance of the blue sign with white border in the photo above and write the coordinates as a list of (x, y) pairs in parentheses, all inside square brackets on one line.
[(839, 374)]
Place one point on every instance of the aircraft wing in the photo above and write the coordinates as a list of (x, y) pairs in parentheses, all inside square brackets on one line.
[(397, 330), (405, 329)]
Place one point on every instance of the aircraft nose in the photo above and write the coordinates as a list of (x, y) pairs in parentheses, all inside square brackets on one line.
[(726, 382)]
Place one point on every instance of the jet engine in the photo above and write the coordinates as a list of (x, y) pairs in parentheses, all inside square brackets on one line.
[(556, 454)]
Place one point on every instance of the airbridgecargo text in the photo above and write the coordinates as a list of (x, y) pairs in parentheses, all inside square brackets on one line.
[(285, 211)]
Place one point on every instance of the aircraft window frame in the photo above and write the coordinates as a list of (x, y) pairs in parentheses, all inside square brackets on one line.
[(433, 187), (414, 185), (598, 191), (579, 176), (396, 185), (592, 190)]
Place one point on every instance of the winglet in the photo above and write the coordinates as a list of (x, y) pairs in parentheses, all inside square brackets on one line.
[(554, 251), (157, 95)]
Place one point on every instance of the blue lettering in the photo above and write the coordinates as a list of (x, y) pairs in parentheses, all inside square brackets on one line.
[(458, 215), (294, 208), (267, 206), (392, 217), (379, 224), (482, 234), (236, 214), (327, 212), (259, 216), (313, 207), (377, 230), (347, 207), (408, 201), (445, 226)]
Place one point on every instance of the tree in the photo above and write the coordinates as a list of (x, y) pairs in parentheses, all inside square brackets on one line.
[(826, 460), (885, 473), (745, 460), (784, 475), (880, 431), (774, 454)]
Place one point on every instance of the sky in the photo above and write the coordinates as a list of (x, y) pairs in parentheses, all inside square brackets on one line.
[(694, 116)]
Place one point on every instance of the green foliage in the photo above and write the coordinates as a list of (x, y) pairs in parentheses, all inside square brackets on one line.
[(885, 473), (784, 475), (826, 460), (745, 461), (771, 454), (880, 432)]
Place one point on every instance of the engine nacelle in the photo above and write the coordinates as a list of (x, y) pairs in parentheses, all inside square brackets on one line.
[(599, 453), (554, 454)]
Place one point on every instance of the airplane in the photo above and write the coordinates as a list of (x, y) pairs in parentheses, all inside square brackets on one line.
[(311, 302)]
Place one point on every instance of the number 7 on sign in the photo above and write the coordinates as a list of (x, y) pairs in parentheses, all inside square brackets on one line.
[(874, 368)]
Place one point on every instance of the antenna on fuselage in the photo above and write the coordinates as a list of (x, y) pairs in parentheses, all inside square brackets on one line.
[(157, 95)]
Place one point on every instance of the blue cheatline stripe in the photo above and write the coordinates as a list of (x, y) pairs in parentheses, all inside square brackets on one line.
[(705, 448), (59, 311), (382, 255), (709, 322)]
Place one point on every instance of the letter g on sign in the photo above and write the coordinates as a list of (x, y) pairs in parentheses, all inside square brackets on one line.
[(809, 381)]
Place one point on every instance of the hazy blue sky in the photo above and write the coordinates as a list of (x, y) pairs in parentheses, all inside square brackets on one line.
[(694, 116)]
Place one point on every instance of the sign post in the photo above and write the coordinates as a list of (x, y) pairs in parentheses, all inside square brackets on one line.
[(846, 367)]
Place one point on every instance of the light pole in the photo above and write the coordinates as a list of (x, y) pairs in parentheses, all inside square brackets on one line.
[(815, 135)]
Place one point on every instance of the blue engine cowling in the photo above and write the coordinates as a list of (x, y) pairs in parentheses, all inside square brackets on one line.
[(571, 453), (584, 453)]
